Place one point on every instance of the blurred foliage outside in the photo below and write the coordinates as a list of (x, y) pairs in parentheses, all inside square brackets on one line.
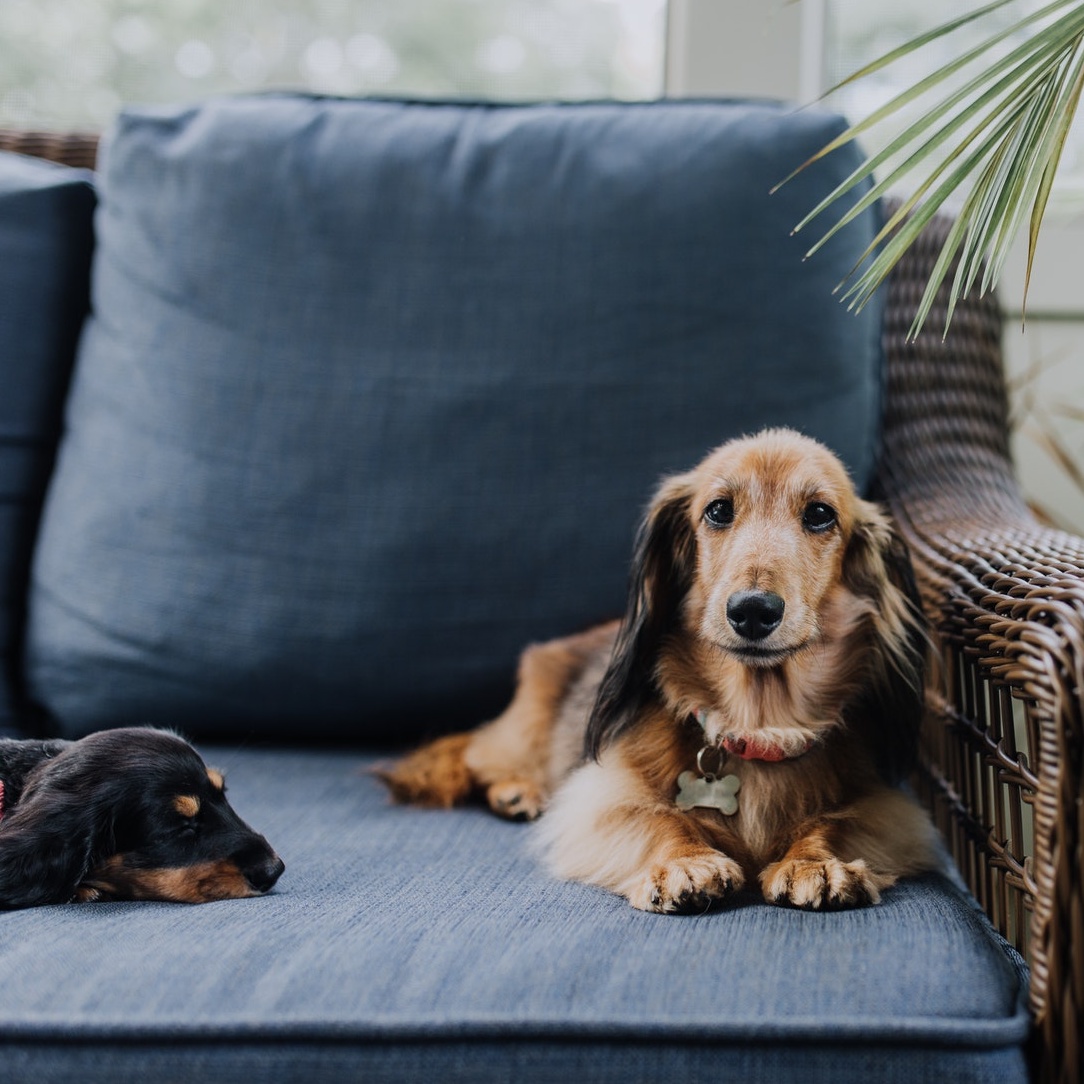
[(73, 63)]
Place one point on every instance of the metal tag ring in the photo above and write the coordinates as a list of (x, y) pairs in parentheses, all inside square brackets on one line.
[(710, 761)]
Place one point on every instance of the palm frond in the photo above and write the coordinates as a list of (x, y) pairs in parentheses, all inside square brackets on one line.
[(995, 136)]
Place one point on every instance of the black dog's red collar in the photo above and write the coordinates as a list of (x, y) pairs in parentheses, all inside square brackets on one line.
[(1, 799)]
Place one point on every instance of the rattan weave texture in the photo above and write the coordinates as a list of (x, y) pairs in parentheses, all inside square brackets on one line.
[(1003, 741), (69, 148)]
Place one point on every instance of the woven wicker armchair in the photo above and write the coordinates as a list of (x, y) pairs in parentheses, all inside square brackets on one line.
[(1003, 746), (1003, 750)]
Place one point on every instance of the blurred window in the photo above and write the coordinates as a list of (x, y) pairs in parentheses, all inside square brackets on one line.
[(73, 63)]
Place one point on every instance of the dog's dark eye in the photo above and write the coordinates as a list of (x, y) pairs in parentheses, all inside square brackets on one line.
[(818, 516), (720, 513)]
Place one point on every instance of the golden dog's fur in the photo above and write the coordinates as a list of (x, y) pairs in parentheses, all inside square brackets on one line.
[(815, 716)]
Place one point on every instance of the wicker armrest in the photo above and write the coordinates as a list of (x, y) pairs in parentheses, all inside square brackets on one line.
[(68, 148), (1003, 746)]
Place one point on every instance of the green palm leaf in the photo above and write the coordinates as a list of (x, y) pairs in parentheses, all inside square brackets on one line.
[(995, 137)]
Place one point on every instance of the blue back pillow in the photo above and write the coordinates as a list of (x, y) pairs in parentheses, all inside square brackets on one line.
[(46, 237), (374, 393)]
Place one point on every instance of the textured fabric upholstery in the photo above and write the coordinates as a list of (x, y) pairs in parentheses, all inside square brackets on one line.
[(374, 393), (45, 245), (407, 945)]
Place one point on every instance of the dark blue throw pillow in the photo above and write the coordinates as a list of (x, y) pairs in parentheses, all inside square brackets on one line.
[(374, 393), (46, 214)]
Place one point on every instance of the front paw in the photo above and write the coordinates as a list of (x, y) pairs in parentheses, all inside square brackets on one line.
[(821, 884), (516, 800), (687, 885)]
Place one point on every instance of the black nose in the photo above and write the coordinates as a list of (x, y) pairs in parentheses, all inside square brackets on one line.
[(754, 614), (263, 877), (263, 874)]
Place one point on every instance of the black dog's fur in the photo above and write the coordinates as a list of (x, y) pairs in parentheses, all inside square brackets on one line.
[(132, 813)]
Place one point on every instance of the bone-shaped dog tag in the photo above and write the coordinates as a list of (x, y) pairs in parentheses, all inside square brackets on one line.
[(707, 792)]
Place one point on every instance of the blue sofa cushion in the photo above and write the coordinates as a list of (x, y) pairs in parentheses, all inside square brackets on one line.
[(406, 945), (374, 393), (46, 238)]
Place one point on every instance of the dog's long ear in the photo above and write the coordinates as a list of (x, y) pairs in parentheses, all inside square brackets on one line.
[(877, 566), (47, 846), (664, 560)]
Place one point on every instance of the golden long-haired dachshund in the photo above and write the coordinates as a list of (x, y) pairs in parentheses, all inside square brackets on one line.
[(747, 719)]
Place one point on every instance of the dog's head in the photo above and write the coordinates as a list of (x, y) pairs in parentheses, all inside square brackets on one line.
[(765, 552), (131, 813)]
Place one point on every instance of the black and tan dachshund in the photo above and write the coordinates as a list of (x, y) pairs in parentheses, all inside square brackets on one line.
[(127, 814)]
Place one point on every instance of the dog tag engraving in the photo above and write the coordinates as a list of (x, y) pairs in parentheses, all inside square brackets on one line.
[(708, 792)]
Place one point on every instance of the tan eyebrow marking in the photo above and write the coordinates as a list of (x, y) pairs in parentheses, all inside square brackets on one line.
[(186, 804), (216, 779)]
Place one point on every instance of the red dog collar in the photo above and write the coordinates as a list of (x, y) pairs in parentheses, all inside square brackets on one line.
[(1, 799), (751, 749)]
